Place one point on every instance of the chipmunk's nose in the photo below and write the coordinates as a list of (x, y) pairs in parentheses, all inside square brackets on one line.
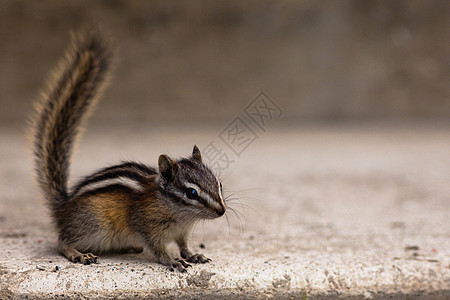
[(220, 211)]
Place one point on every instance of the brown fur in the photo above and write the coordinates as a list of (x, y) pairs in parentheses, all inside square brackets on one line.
[(123, 207), (111, 211)]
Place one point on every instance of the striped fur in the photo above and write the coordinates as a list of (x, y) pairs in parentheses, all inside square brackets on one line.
[(129, 175), (125, 206), (71, 93)]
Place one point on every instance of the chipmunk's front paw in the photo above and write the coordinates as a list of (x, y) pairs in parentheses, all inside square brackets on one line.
[(183, 262), (85, 259), (173, 264), (198, 258), (180, 265)]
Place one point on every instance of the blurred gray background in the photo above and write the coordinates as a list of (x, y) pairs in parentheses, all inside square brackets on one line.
[(201, 61), (346, 195)]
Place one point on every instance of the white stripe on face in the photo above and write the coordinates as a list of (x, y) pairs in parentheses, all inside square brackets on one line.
[(220, 192), (125, 181), (211, 202), (186, 199)]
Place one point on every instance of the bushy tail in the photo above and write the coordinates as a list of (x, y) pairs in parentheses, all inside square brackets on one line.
[(71, 92)]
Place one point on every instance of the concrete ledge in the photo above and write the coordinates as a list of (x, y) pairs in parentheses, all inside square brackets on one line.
[(354, 213)]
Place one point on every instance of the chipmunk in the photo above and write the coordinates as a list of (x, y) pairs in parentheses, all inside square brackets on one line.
[(125, 207)]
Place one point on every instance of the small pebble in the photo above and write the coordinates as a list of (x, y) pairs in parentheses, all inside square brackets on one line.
[(412, 248), (57, 268)]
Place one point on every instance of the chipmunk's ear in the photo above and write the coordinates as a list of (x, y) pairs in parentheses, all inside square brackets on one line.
[(196, 154), (167, 167)]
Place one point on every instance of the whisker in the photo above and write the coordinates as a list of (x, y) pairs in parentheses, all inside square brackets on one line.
[(241, 198), (244, 206), (241, 191), (238, 217), (233, 200), (229, 227), (226, 176)]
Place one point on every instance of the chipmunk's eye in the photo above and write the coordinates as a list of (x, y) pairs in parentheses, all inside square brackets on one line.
[(191, 193)]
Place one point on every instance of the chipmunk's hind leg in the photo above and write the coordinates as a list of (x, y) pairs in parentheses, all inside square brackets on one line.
[(75, 256)]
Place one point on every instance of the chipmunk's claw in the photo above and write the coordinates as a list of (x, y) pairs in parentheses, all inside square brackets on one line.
[(179, 266), (85, 259), (183, 262), (198, 258)]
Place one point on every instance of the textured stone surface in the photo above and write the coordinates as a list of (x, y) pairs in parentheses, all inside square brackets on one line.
[(323, 211)]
